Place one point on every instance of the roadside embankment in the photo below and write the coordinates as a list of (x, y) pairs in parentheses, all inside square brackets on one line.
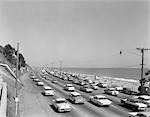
[(10, 80)]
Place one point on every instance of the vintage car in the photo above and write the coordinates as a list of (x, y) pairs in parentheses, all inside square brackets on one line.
[(61, 105), (54, 81), (33, 76), (36, 79), (102, 85), (144, 99), (139, 114), (70, 78), (48, 92), (118, 88), (40, 83), (100, 100), (94, 86), (69, 87), (47, 87), (76, 97), (86, 88), (129, 91), (81, 83), (133, 104), (111, 91), (75, 81)]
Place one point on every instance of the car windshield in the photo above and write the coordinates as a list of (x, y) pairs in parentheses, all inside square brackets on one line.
[(101, 98), (134, 100), (76, 95), (111, 89), (60, 101)]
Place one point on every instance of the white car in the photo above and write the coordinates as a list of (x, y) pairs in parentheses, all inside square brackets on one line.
[(61, 105), (134, 104), (40, 83), (100, 100), (111, 91), (48, 92), (93, 86), (103, 85), (36, 79), (32, 77), (47, 87), (118, 88), (69, 87), (144, 99), (86, 88), (139, 114), (76, 97)]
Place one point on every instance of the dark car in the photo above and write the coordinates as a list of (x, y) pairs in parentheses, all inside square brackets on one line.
[(129, 91)]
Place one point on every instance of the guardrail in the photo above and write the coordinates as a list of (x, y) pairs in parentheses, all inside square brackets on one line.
[(3, 99), (9, 69)]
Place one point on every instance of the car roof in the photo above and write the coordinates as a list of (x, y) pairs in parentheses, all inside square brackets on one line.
[(75, 93), (111, 88), (47, 86), (145, 96), (100, 96), (69, 84), (60, 99), (145, 113)]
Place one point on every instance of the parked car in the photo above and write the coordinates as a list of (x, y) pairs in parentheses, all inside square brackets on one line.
[(70, 78), (118, 88), (86, 88), (133, 104), (76, 97), (88, 81), (111, 91), (129, 91), (61, 105), (144, 99), (94, 86), (102, 85), (81, 83), (100, 100), (69, 87), (75, 81), (40, 83)]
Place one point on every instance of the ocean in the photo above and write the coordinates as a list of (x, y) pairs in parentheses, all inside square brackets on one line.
[(126, 73)]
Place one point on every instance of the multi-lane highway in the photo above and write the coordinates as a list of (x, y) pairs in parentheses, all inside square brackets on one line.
[(78, 110)]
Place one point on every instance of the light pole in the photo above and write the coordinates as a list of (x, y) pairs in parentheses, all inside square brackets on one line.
[(142, 79), (16, 84)]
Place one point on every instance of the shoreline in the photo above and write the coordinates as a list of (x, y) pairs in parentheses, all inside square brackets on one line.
[(128, 83)]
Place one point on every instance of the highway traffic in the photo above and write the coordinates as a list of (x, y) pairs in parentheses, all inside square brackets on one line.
[(88, 109)]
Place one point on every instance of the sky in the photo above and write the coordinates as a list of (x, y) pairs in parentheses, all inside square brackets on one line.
[(81, 33)]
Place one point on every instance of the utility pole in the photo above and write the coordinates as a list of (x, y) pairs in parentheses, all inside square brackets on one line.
[(61, 66), (16, 84), (142, 52), (52, 66)]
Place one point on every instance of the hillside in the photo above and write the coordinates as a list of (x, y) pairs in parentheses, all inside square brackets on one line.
[(7, 77)]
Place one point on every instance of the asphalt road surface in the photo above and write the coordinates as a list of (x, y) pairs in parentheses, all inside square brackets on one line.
[(35, 104)]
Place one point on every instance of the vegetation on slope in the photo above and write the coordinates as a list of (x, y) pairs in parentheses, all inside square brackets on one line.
[(11, 55)]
